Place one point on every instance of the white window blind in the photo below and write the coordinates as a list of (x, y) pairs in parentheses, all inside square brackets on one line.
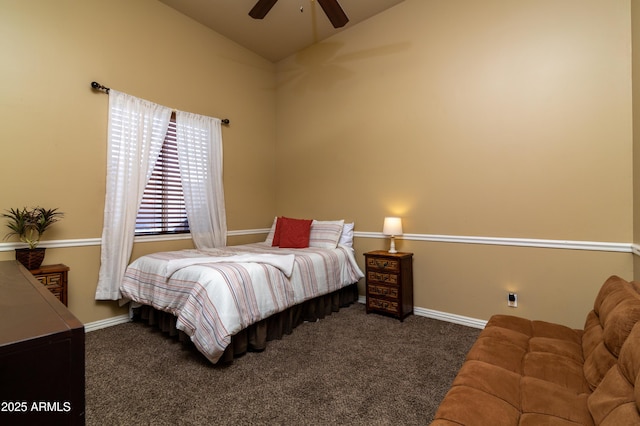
[(162, 210)]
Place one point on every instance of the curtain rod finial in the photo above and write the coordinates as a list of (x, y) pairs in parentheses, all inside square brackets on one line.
[(97, 86)]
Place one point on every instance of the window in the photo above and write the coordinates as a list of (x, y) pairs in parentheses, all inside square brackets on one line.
[(162, 210)]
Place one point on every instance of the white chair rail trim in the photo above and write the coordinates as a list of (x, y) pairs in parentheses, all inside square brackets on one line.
[(455, 239), (519, 242), (84, 242)]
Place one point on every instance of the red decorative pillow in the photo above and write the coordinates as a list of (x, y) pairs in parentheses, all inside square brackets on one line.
[(276, 234), (294, 233)]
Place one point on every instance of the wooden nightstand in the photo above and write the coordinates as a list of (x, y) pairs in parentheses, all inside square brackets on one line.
[(389, 285), (54, 278)]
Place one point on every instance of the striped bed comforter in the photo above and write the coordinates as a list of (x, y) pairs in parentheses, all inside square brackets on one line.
[(216, 298)]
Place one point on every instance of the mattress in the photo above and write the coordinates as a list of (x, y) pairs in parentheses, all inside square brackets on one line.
[(215, 293)]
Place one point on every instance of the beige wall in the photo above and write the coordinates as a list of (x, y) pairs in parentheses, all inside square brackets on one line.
[(54, 126), (635, 22), (491, 119)]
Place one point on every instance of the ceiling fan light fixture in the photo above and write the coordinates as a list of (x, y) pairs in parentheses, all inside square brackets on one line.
[(331, 8)]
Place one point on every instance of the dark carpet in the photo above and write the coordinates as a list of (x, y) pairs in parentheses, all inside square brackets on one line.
[(349, 368)]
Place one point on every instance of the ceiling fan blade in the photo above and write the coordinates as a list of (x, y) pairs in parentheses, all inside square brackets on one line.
[(334, 12), (261, 8)]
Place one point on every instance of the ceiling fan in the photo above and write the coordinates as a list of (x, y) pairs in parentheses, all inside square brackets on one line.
[(331, 8)]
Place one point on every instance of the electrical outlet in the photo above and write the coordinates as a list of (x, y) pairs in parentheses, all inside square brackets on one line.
[(512, 300)]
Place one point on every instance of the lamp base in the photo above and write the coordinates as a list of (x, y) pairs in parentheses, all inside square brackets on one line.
[(392, 249)]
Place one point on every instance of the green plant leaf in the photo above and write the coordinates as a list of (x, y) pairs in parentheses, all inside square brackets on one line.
[(30, 224)]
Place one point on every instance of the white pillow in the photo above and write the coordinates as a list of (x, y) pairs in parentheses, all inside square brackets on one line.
[(325, 234), (346, 238)]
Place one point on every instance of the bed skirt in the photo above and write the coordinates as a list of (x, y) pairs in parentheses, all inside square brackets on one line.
[(256, 336)]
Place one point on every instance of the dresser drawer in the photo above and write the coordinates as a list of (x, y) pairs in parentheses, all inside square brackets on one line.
[(384, 264), (382, 277), (383, 305), (383, 290)]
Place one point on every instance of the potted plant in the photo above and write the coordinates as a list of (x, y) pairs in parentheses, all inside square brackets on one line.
[(29, 224)]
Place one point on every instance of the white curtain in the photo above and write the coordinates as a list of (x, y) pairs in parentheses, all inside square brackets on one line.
[(137, 129), (199, 141)]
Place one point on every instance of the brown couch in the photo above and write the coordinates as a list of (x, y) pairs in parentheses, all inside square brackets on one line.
[(522, 372)]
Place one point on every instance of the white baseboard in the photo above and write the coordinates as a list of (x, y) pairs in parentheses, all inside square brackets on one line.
[(453, 318), (97, 325), (442, 316), (429, 313)]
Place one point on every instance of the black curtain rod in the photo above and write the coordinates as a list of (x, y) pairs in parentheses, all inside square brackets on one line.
[(98, 86)]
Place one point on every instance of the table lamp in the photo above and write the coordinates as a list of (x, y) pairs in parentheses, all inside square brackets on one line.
[(392, 227)]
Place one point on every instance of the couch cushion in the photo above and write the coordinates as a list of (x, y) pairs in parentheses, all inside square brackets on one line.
[(620, 322), (490, 379), (606, 299), (560, 370), (616, 310), (566, 348), (592, 335), (471, 406), (616, 400), (498, 352), (549, 403), (539, 349)]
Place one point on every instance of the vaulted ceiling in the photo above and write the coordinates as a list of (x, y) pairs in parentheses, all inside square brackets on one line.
[(291, 25)]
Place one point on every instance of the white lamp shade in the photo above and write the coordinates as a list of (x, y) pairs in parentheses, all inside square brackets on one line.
[(392, 226)]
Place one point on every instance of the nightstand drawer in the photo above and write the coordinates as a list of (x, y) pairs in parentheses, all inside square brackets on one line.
[(382, 278), (383, 290), (384, 305), (54, 288), (54, 278), (53, 281), (383, 264)]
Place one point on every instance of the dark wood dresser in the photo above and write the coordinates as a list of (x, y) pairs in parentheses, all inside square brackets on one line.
[(42, 376), (389, 287)]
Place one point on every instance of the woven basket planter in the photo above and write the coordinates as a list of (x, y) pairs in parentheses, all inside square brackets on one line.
[(30, 258)]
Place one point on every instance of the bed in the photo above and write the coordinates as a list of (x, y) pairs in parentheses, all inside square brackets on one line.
[(233, 299)]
